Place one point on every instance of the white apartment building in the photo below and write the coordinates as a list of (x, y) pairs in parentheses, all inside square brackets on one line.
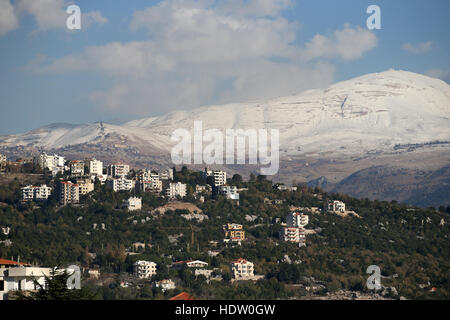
[(16, 276), (2, 158), (220, 177), (297, 219), (144, 269), (292, 234), (76, 168), (176, 189), (121, 184), (133, 204), (231, 192), (336, 205), (69, 193), (49, 162), (30, 193), (148, 175), (118, 170), (241, 269), (95, 167)]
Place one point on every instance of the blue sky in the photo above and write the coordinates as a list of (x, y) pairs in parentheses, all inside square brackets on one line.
[(135, 59)]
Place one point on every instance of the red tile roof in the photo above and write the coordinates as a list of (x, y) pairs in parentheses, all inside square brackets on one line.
[(183, 296), (10, 262)]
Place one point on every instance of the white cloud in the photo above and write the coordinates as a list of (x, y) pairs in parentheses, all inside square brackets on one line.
[(204, 52), (51, 14), (347, 44), (8, 18), (419, 48), (440, 74)]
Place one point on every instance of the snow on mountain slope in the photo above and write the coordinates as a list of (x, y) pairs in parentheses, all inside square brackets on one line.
[(371, 113)]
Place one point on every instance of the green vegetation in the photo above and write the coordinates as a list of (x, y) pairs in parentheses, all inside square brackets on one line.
[(410, 245)]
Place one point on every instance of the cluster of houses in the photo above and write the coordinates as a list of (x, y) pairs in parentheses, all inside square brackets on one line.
[(241, 269)]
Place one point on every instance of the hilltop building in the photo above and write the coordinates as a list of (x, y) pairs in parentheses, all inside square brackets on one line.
[(176, 189), (242, 269), (95, 167), (118, 170)]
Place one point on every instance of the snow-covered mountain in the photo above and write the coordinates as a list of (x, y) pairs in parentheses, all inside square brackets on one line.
[(367, 114)]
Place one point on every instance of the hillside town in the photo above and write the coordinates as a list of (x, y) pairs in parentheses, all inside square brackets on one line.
[(145, 196)]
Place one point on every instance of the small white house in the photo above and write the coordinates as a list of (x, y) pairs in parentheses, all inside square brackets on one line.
[(133, 204)]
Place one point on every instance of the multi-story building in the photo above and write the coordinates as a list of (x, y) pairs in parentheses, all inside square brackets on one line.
[(133, 204), (231, 192), (335, 205), (297, 219), (121, 184), (2, 159), (292, 234), (69, 193), (17, 276), (41, 193), (85, 185), (176, 189), (50, 162), (295, 229), (220, 177), (95, 167), (118, 170), (241, 269), (76, 168), (148, 175), (234, 232), (150, 186), (144, 269)]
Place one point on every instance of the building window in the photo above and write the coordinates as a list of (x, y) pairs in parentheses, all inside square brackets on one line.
[(2, 285)]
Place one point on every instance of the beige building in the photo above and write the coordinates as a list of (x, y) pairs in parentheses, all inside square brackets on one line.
[(234, 232), (69, 193), (86, 186), (242, 269)]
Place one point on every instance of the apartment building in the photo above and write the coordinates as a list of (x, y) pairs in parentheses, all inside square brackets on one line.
[(69, 193), (176, 189), (118, 170), (220, 177), (148, 175), (144, 269), (50, 162), (2, 159), (17, 276), (95, 167), (231, 192), (234, 232), (241, 269), (295, 229), (292, 234), (335, 206), (155, 186), (76, 168), (86, 186), (132, 204), (30, 193), (120, 184), (190, 264), (297, 219)]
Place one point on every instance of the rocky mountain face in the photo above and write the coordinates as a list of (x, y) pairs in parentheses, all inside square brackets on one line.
[(356, 136)]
